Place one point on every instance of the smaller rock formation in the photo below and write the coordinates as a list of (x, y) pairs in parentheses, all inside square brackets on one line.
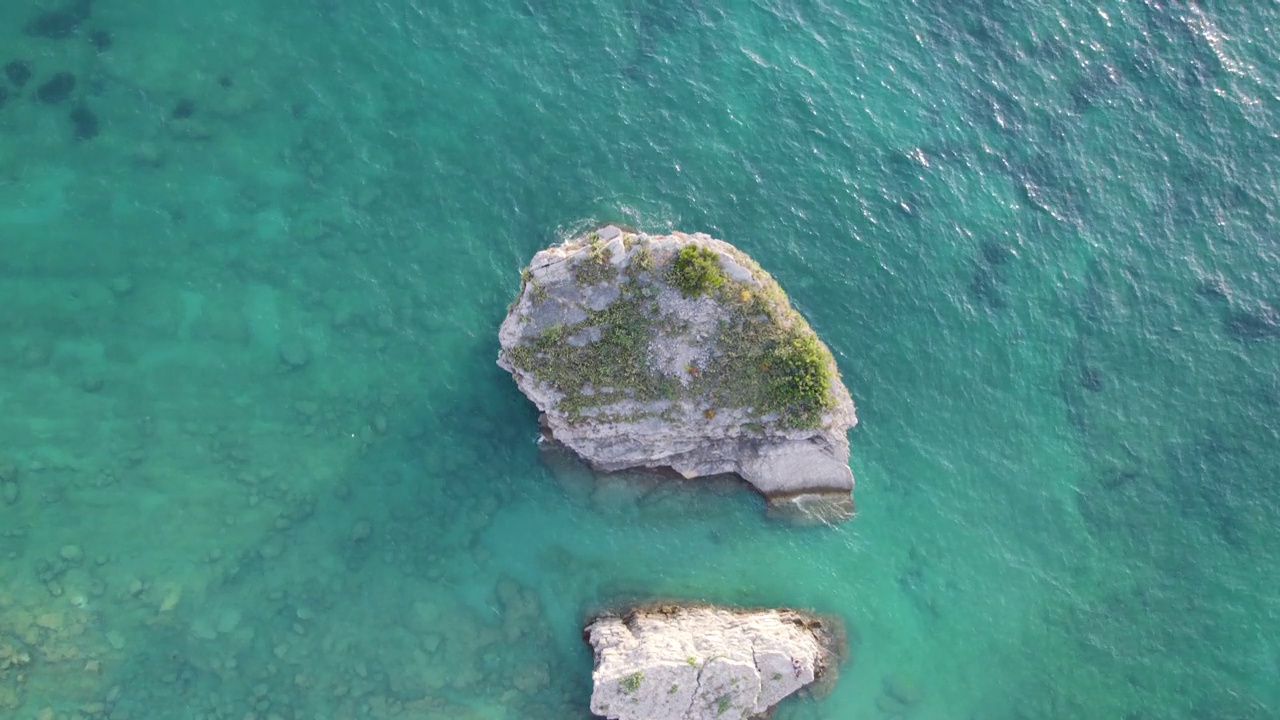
[(706, 663)]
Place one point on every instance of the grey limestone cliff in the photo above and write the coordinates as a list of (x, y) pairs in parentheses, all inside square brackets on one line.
[(705, 663), (678, 351)]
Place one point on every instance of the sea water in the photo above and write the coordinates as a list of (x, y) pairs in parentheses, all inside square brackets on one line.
[(258, 462)]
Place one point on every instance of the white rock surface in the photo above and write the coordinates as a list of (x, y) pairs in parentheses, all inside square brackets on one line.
[(704, 663), (805, 469)]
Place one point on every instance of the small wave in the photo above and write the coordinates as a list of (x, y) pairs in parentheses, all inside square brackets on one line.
[(1206, 29)]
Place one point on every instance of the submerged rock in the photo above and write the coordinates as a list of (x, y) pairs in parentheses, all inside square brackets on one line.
[(59, 24), (696, 663), (84, 123), (101, 40), (18, 72), (1254, 325), (294, 354), (57, 88), (678, 351), (994, 253), (1091, 378)]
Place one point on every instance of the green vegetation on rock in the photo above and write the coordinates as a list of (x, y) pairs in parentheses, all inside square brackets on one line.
[(613, 368), (799, 379), (766, 358), (695, 270), (770, 360), (596, 267), (631, 683), (642, 259)]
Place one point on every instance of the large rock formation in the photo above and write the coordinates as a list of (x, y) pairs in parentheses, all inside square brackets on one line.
[(705, 663), (678, 351)]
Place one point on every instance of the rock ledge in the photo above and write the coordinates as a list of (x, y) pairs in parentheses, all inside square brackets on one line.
[(678, 351)]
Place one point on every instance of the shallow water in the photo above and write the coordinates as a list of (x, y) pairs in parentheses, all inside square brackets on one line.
[(260, 459)]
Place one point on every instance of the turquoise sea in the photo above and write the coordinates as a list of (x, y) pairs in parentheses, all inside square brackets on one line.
[(257, 462)]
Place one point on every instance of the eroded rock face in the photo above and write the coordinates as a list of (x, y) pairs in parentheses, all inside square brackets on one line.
[(678, 351), (705, 663)]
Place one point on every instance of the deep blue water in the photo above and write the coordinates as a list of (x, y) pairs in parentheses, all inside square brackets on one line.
[(258, 459)]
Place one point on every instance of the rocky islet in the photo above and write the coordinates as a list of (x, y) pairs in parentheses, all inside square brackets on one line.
[(680, 352)]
